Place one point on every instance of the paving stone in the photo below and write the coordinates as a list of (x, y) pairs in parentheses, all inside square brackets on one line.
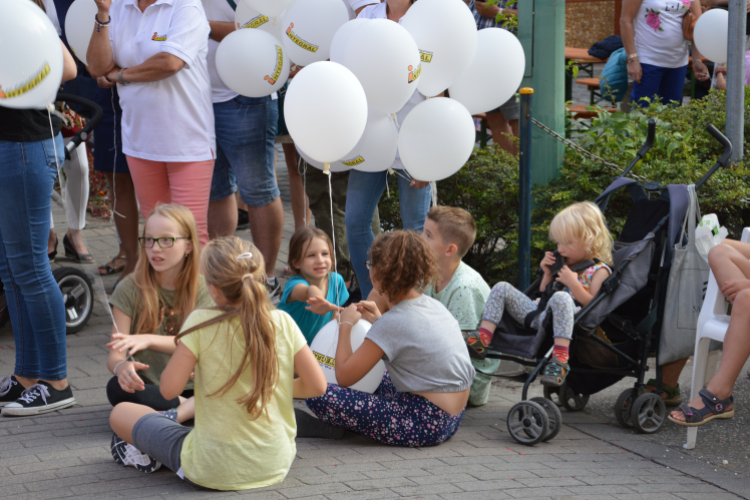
[(609, 489), (438, 489), (362, 495), (328, 478), (476, 495), (545, 492), (320, 489), (387, 482)]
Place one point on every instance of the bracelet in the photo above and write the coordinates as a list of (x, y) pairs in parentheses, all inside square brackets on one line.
[(99, 23), (720, 72), (632, 57), (346, 323), (114, 370)]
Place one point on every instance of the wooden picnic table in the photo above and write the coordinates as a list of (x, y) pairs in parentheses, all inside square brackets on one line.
[(584, 61)]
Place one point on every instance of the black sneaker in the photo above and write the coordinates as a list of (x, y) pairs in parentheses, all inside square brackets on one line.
[(10, 390), (274, 290), (311, 427), (39, 398), (243, 219), (126, 454)]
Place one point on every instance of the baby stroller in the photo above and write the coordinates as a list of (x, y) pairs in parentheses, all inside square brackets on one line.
[(75, 286), (615, 334)]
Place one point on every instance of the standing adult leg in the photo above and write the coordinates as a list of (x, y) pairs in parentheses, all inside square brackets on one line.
[(76, 198), (151, 182), (414, 204), (671, 85), (648, 88), (363, 194), (125, 205), (300, 203), (190, 184), (27, 174)]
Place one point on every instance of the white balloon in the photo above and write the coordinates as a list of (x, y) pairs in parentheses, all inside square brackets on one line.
[(436, 139), (309, 26), (271, 8), (446, 34), (711, 34), (325, 111), (385, 59), (32, 60), (324, 347), (495, 73), (246, 17), (252, 63), (341, 39), (79, 24), (375, 151)]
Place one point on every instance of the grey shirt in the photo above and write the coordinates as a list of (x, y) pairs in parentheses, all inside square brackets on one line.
[(423, 346)]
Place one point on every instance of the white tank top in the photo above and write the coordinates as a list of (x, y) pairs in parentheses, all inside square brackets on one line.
[(658, 33)]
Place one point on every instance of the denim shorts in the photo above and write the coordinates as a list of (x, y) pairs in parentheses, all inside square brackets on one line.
[(245, 133), (511, 109)]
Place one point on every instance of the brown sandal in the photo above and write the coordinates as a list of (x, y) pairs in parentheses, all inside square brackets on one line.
[(111, 267)]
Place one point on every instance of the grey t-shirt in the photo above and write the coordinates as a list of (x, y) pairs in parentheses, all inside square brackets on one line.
[(423, 346)]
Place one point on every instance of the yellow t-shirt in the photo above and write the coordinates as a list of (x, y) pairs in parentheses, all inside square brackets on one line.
[(227, 450)]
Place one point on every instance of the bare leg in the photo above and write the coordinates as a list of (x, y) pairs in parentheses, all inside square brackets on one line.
[(736, 352), (499, 127), (186, 410), (729, 262), (51, 242), (123, 419), (56, 384), (222, 217), (74, 235), (266, 226), (670, 375), (241, 204), (127, 220), (300, 203)]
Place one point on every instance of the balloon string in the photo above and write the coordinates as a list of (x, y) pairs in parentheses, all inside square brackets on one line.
[(333, 233), (114, 169), (303, 165)]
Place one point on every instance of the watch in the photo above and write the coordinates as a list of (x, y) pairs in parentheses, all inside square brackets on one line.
[(122, 78)]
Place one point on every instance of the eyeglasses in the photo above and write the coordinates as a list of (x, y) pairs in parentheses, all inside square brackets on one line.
[(163, 241), (367, 263)]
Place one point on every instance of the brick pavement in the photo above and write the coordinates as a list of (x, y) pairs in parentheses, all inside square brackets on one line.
[(66, 453)]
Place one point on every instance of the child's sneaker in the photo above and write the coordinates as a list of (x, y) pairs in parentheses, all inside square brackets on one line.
[(10, 390), (478, 344), (39, 398), (555, 373), (126, 454), (170, 414)]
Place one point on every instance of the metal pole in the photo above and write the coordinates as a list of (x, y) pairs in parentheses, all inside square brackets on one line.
[(736, 76), (524, 191)]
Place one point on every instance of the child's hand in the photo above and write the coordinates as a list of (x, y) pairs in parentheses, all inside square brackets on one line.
[(567, 277), (547, 262), (731, 288), (351, 315), (133, 343), (369, 310), (127, 377), (320, 306)]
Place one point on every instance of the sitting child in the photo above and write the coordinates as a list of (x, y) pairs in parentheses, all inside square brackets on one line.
[(423, 394), (315, 292), (581, 234), (245, 355), (450, 232)]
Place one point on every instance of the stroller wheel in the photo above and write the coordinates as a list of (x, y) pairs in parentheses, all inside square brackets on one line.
[(571, 400), (78, 297), (623, 408), (553, 394), (648, 413), (554, 417), (528, 423)]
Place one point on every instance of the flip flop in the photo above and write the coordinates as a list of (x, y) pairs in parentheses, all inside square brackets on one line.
[(111, 268), (715, 408)]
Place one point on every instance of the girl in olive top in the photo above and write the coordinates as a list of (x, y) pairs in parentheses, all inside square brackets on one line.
[(151, 305)]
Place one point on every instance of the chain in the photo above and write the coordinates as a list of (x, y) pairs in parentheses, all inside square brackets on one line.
[(578, 148)]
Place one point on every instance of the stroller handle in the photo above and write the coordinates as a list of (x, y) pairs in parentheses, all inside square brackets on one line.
[(651, 135), (724, 160), (83, 134)]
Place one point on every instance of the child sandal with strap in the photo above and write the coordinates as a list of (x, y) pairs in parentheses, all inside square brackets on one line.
[(555, 373), (715, 408)]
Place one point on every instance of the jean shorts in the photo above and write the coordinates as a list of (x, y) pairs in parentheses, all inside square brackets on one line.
[(511, 109), (245, 133)]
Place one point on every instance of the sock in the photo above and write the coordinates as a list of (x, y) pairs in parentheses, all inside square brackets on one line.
[(561, 352), (485, 336), (272, 281)]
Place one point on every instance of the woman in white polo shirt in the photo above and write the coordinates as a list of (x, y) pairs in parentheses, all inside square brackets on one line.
[(156, 52)]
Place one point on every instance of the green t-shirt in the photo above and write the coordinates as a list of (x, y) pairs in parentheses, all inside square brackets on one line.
[(127, 298), (464, 296)]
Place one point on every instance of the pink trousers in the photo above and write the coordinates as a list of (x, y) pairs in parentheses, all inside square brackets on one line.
[(184, 183)]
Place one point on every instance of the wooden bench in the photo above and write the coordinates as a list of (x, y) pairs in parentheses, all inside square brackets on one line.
[(579, 111), (594, 90)]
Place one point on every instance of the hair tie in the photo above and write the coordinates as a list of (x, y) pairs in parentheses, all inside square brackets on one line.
[(248, 275), (246, 255)]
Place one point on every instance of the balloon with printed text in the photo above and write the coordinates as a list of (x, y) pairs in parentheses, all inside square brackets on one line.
[(32, 61), (245, 17), (308, 29), (254, 73)]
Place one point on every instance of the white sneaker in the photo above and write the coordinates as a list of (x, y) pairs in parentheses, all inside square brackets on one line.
[(126, 454)]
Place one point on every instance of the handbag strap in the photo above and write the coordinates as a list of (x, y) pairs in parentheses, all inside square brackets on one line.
[(232, 4), (692, 218)]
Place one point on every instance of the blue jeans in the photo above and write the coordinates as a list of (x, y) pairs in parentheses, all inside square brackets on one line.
[(27, 174), (664, 83), (362, 197), (245, 134)]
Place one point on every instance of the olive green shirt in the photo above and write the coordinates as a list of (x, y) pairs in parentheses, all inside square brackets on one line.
[(127, 298)]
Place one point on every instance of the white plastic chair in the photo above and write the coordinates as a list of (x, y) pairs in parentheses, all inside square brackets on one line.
[(712, 325)]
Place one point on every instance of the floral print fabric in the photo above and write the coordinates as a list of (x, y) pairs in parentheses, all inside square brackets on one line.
[(658, 33), (388, 416)]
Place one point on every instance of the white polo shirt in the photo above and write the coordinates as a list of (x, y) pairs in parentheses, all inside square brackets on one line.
[(218, 10), (169, 120)]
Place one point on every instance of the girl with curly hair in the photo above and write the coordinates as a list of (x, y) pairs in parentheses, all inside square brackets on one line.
[(581, 234), (421, 399)]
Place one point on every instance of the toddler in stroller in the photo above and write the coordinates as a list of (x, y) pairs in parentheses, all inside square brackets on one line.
[(572, 277)]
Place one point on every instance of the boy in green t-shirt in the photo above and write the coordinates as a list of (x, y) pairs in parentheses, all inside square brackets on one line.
[(450, 232)]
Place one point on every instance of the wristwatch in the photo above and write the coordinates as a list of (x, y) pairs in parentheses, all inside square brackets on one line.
[(632, 57), (121, 78)]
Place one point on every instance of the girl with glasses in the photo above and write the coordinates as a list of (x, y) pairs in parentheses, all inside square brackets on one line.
[(150, 307)]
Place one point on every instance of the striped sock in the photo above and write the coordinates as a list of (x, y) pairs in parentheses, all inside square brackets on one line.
[(561, 352)]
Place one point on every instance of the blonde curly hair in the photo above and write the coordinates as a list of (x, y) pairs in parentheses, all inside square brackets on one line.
[(583, 222)]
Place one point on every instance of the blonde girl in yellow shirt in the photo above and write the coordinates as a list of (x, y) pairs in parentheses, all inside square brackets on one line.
[(245, 355)]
